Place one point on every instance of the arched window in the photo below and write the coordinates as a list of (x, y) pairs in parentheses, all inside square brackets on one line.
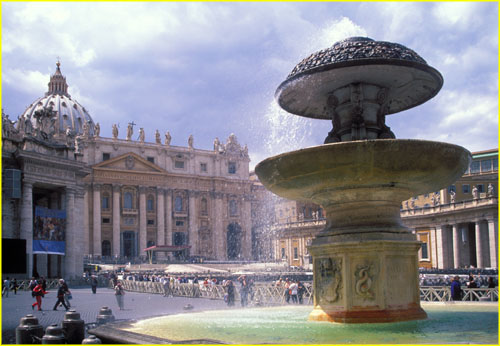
[(127, 200), (204, 206), (233, 208), (106, 248), (178, 203), (105, 201), (150, 203)]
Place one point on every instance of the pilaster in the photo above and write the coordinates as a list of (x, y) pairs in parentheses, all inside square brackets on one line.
[(116, 219), (97, 250)]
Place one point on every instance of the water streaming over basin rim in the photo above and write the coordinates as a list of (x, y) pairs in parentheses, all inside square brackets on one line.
[(447, 323)]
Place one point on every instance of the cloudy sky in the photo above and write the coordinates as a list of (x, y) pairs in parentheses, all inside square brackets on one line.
[(211, 69)]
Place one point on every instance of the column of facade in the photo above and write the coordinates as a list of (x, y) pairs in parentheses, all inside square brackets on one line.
[(142, 221), (116, 219), (168, 216), (479, 246), (86, 228), (27, 224), (247, 227), (160, 219), (78, 234), (192, 228), (96, 250), (493, 240), (69, 258), (457, 245), (219, 232)]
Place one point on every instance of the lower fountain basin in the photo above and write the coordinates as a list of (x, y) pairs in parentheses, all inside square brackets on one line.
[(447, 323)]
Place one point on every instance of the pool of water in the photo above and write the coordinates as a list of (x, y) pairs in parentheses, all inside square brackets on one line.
[(452, 323)]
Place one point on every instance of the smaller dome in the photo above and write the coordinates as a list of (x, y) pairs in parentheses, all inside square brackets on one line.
[(70, 114)]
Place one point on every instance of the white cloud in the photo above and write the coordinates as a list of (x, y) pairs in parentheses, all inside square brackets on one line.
[(458, 14), (26, 81)]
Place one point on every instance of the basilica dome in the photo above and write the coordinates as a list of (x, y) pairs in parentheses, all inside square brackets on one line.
[(68, 112)]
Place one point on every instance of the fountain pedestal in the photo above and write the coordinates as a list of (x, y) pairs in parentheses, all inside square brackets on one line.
[(362, 282)]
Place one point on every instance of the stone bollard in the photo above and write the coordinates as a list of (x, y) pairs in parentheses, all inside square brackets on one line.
[(73, 327), (27, 328), (105, 315), (92, 339), (53, 335)]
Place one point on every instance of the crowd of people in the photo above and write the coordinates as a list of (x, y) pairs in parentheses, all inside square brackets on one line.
[(478, 281)]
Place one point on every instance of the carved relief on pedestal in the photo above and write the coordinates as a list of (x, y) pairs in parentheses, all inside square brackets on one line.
[(364, 278), (328, 280)]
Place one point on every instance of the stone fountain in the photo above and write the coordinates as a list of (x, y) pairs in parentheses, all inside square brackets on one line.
[(365, 261)]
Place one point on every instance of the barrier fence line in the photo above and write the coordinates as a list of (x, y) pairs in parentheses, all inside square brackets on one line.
[(268, 294)]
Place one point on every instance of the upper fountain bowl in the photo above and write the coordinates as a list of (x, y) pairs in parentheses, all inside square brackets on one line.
[(409, 80)]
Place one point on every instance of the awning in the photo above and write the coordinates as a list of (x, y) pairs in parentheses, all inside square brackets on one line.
[(164, 248), (167, 248)]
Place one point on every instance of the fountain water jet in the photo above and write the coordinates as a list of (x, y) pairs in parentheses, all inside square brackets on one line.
[(365, 261)]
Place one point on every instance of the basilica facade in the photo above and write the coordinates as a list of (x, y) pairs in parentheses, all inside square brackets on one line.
[(70, 193)]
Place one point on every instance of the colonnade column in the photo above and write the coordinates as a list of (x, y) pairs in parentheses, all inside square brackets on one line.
[(457, 241), (97, 220), (440, 247), (27, 224), (193, 230), (69, 258), (168, 216), (493, 240), (142, 220), (160, 219), (116, 219), (479, 246)]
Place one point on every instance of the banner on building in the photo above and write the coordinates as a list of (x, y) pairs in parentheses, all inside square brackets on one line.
[(49, 231)]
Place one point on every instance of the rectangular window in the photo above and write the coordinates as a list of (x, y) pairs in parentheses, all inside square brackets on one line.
[(179, 223), (151, 222), (203, 167), (231, 167), (149, 205), (179, 164), (480, 188), (495, 164), (283, 256), (425, 251), (452, 188), (295, 253), (106, 220), (485, 165), (474, 167), (106, 156), (151, 159), (465, 188)]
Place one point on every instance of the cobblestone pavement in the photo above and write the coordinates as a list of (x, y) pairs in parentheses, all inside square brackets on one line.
[(137, 305)]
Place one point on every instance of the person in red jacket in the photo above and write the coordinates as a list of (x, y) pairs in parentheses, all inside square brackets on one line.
[(39, 293)]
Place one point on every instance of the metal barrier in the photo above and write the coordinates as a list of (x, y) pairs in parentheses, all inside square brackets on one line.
[(268, 294)]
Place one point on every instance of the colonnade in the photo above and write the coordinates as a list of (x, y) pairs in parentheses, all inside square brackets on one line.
[(456, 247)]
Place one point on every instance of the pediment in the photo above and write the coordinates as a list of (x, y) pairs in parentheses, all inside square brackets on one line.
[(129, 162)]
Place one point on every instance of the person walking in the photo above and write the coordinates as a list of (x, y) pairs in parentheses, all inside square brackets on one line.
[(300, 291), (14, 286), (456, 290), (61, 291), (93, 284), (6, 287), (294, 291), (243, 290), (230, 292), (67, 295), (119, 293), (39, 293)]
